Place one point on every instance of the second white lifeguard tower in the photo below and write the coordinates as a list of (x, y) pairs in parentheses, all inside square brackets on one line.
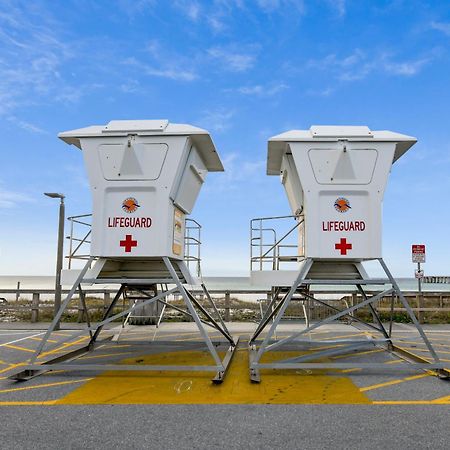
[(334, 178), (145, 176)]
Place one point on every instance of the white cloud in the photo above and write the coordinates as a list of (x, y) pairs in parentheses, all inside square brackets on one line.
[(189, 8), (444, 27), (261, 90), (407, 68), (130, 86), (12, 199), (135, 7), (233, 61), (169, 70), (216, 120), (359, 64), (339, 6), (238, 172), (27, 126), (32, 56), (325, 92), (287, 6)]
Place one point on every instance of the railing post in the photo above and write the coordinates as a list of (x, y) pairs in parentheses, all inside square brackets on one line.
[(81, 310), (35, 307), (269, 298), (227, 307), (106, 301), (419, 308)]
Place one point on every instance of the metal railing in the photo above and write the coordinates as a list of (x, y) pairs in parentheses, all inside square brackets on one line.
[(192, 244), (77, 246), (80, 232), (267, 251)]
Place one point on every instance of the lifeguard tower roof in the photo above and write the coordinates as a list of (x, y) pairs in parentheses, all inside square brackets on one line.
[(200, 138), (278, 144)]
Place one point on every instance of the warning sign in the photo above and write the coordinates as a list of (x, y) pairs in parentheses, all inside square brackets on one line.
[(418, 253), (178, 237)]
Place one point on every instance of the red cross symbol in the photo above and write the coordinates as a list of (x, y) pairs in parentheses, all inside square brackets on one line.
[(128, 243), (343, 246)]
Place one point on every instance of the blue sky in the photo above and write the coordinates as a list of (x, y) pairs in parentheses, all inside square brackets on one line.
[(245, 70)]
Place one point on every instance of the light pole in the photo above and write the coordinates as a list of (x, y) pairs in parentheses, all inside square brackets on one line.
[(59, 253)]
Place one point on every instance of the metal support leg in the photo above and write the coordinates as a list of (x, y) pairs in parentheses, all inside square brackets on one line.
[(374, 313), (221, 365), (57, 317), (255, 355), (86, 311), (211, 302), (268, 315), (107, 314), (410, 312), (210, 318)]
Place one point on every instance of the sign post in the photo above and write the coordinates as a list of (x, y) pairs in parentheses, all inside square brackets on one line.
[(418, 256)]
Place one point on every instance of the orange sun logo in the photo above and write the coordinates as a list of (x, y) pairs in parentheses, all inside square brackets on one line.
[(342, 205), (130, 205)]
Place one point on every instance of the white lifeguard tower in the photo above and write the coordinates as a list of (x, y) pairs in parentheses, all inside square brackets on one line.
[(145, 176), (334, 177)]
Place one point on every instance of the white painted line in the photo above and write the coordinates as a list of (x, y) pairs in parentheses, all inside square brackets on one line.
[(21, 339), (17, 333)]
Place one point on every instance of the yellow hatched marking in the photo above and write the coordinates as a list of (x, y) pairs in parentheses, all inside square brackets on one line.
[(40, 339), (13, 366), (424, 350), (22, 349), (64, 346), (393, 382), (278, 386), (39, 386)]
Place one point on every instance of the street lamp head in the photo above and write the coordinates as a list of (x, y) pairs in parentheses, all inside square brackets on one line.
[(54, 195)]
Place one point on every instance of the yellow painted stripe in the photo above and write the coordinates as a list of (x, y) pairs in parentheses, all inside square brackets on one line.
[(16, 347), (442, 399), (391, 383), (25, 403), (394, 361), (104, 355), (403, 402), (64, 346), (344, 336), (117, 346), (13, 366), (40, 386), (351, 355)]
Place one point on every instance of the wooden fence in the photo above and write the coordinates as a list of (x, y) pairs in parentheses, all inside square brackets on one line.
[(431, 302)]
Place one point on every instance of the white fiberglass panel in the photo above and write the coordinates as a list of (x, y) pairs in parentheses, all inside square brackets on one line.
[(342, 165), (139, 161)]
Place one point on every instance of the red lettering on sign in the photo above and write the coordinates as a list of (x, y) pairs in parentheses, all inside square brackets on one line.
[(128, 243), (129, 222), (340, 225), (343, 246)]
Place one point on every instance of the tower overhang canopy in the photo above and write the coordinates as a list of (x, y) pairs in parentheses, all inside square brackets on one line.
[(278, 145), (199, 137)]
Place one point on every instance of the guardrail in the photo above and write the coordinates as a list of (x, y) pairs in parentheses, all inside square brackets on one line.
[(268, 251)]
